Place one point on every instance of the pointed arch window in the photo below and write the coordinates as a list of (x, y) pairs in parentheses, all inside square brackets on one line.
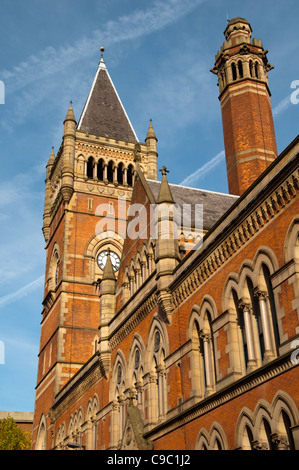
[(89, 168), (203, 361), (266, 274), (130, 171), (138, 377), (241, 324), (120, 175), (240, 68), (100, 170), (251, 68), (110, 172), (258, 319), (160, 375), (206, 343), (256, 69), (234, 71), (120, 399)]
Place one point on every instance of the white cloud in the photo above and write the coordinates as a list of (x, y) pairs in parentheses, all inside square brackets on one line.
[(22, 292), (282, 106), (135, 25), (21, 205), (202, 171)]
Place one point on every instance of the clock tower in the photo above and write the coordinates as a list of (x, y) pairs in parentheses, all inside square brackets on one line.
[(88, 189)]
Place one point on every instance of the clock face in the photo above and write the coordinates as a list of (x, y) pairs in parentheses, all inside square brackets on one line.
[(102, 258)]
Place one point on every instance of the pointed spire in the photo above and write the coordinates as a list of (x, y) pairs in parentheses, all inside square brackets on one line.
[(108, 273), (70, 114), (103, 112), (51, 158), (165, 193), (151, 133)]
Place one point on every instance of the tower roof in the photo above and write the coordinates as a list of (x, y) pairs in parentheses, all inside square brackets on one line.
[(103, 112), (237, 26), (165, 193)]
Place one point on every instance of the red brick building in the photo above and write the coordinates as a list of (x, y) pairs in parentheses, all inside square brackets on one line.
[(170, 316)]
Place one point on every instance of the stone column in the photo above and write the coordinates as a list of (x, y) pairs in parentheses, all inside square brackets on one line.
[(115, 182), (206, 338), (105, 178), (247, 310), (262, 298)]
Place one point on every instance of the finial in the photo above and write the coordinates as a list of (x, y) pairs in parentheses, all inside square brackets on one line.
[(102, 49), (164, 170)]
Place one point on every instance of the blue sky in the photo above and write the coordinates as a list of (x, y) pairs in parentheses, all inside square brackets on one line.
[(159, 54)]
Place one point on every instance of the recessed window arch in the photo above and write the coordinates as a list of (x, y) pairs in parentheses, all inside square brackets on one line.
[(251, 68), (130, 172), (257, 325), (156, 369), (90, 167), (120, 175), (100, 170), (110, 169), (256, 69), (41, 440), (117, 392), (234, 71), (240, 68), (54, 268)]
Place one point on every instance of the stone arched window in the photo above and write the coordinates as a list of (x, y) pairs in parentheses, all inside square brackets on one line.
[(256, 69), (110, 170), (234, 71), (291, 256), (206, 346), (268, 312), (53, 274), (215, 439), (41, 440), (60, 439), (120, 173), (77, 431), (196, 359), (130, 173), (100, 170), (257, 323), (157, 384), (251, 68), (136, 373), (269, 426), (159, 366), (118, 400), (240, 68), (243, 334), (92, 424), (202, 350), (90, 168)]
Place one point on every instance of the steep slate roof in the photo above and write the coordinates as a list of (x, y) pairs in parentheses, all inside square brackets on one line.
[(103, 112), (214, 204)]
